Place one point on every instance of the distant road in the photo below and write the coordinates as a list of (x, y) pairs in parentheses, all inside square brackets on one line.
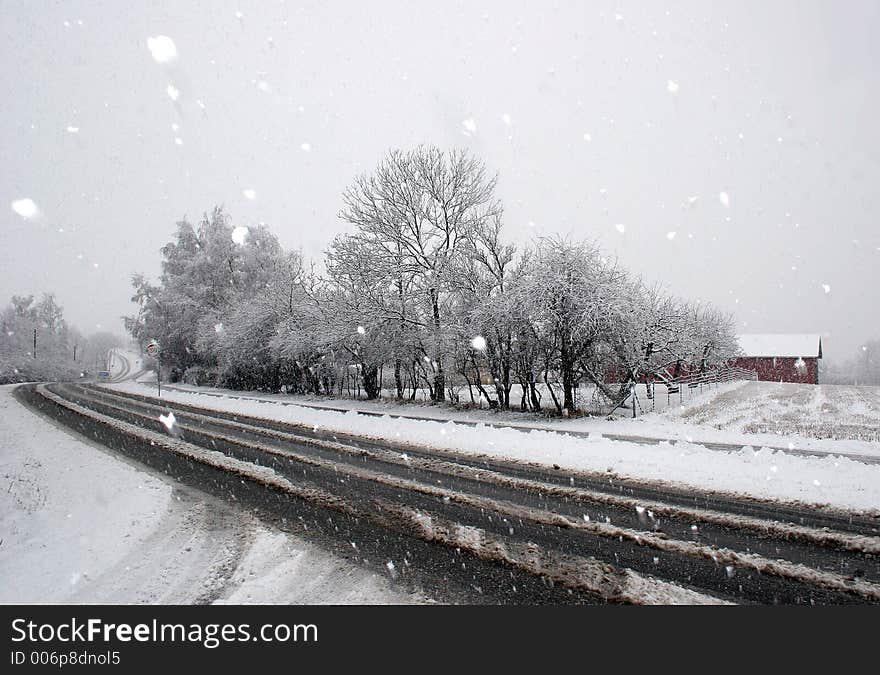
[(475, 529), (122, 367)]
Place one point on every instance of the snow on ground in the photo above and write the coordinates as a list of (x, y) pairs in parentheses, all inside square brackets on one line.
[(694, 417), (839, 412), (763, 473), (79, 525), (278, 570)]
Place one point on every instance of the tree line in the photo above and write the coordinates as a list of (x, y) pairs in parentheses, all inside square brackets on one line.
[(424, 294), (37, 343), (863, 368)]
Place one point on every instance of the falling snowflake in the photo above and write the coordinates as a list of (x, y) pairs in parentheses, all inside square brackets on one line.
[(588, 138), (162, 48), (620, 227), (506, 119), (361, 330), (249, 193), (73, 130), (173, 92), (178, 140), (26, 208), (670, 235), (479, 343), (168, 420), (218, 327), (826, 288), (306, 147), (724, 198), (470, 127), (239, 234), (672, 87)]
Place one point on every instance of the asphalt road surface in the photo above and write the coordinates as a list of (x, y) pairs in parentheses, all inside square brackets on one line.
[(473, 529)]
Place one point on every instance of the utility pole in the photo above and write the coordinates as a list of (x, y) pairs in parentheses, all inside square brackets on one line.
[(35, 343)]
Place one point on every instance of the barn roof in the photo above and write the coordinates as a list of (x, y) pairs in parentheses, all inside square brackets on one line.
[(781, 344)]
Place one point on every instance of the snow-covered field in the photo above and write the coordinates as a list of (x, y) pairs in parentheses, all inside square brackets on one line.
[(832, 411), (80, 525), (752, 470)]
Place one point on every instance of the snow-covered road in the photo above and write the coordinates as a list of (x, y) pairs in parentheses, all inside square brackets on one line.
[(768, 473), (467, 523), (79, 524)]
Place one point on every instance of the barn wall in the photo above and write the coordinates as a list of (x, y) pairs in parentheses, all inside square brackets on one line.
[(780, 369)]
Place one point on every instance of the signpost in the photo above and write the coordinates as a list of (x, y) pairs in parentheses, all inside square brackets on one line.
[(152, 350)]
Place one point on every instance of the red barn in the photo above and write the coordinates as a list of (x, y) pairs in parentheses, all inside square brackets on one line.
[(779, 357)]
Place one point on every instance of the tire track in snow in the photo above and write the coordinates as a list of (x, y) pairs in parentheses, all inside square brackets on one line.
[(800, 573)]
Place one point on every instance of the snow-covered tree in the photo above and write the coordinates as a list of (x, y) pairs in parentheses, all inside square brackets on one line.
[(415, 217), (207, 272), (36, 342), (575, 301)]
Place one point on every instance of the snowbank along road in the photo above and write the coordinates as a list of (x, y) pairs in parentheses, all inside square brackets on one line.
[(490, 530)]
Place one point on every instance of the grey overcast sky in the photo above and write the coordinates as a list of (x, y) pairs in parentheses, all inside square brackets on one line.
[(618, 121)]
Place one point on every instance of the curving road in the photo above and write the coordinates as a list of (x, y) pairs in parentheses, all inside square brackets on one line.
[(122, 367), (481, 530)]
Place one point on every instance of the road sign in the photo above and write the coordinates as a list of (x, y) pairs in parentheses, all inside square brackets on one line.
[(104, 374), (152, 349)]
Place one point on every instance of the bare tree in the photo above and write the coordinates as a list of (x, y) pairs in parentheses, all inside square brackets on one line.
[(416, 216)]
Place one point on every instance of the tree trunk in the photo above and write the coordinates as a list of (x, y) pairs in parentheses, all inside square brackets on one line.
[(533, 391), (398, 379), (439, 390), (439, 393), (552, 394), (371, 381), (567, 367)]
